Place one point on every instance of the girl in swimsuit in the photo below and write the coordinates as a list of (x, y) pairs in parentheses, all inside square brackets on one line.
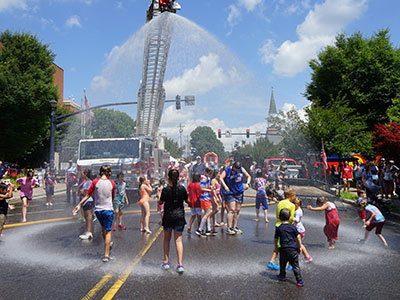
[(145, 190)]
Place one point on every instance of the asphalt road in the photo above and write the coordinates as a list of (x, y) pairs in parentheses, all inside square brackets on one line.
[(48, 261)]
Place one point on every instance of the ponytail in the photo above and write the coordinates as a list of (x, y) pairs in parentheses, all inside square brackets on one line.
[(173, 175)]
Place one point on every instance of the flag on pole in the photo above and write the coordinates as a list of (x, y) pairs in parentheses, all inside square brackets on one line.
[(323, 156)]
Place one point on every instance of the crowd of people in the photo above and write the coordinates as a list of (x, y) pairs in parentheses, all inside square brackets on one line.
[(207, 192)]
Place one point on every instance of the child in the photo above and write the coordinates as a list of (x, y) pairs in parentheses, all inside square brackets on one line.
[(204, 229), (6, 192), (49, 183), (361, 213), (375, 220), (120, 199), (331, 218), (261, 196), (87, 206), (215, 198), (290, 196), (298, 216), (145, 190), (103, 191), (27, 184), (287, 238), (160, 207), (194, 200), (173, 197)]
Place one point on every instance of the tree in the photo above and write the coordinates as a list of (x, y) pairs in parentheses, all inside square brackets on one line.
[(259, 150), (203, 140), (173, 148), (393, 111), (364, 71), (387, 140), (26, 88), (343, 131), (108, 123)]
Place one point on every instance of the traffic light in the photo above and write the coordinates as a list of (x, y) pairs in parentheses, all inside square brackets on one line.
[(178, 102), (219, 133), (247, 133)]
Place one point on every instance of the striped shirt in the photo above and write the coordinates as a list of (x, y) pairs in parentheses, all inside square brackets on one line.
[(205, 182)]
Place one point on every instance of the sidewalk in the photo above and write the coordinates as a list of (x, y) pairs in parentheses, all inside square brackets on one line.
[(39, 193)]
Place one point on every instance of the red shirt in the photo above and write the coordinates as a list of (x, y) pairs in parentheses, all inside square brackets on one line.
[(347, 172), (194, 194)]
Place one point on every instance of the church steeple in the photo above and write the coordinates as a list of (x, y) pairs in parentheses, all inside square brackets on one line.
[(272, 104)]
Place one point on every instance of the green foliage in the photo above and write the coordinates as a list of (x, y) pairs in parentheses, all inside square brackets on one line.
[(393, 111), (260, 149), (365, 71), (108, 123), (343, 131), (26, 88), (173, 148), (204, 140)]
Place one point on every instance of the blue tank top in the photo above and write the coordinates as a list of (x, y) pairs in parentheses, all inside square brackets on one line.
[(234, 181)]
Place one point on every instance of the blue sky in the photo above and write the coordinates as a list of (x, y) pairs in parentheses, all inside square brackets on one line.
[(229, 53)]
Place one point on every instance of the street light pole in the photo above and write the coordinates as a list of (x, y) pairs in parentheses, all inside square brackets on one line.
[(53, 120)]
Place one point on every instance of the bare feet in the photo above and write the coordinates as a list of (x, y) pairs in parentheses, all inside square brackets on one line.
[(23, 221), (142, 230), (266, 221), (148, 231), (189, 230), (257, 219), (217, 225), (222, 224)]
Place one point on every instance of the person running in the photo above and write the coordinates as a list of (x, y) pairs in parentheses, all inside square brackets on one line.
[(215, 199), (87, 211), (28, 183), (232, 181), (376, 219), (288, 239), (145, 190), (290, 197), (194, 200), (6, 192), (347, 176), (49, 184), (298, 223), (331, 218), (120, 199), (183, 173), (160, 207), (103, 190), (173, 196), (204, 229)]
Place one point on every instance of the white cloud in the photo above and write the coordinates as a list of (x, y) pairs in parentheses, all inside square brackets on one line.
[(13, 4), (250, 5), (289, 106), (318, 30), (99, 82), (202, 78), (73, 21), (235, 11)]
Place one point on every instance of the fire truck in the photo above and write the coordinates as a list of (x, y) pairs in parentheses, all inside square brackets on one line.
[(134, 157)]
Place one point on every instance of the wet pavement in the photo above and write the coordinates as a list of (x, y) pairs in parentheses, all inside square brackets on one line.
[(48, 261)]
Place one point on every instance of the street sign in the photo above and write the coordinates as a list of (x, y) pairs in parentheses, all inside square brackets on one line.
[(189, 100), (258, 134), (228, 133)]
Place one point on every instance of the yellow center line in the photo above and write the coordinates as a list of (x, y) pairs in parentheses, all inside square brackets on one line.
[(121, 280), (97, 287)]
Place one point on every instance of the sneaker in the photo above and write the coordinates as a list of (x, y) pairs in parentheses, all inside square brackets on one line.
[(237, 230), (165, 266), (281, 278), (122, 226), (47, 204), (106, 259), (201, 234), (86, 236), (230, 231), (208, 233), (214, 232), (289, 268), (180, 269), (198, 232), (114, 227), (300, 283), (308, 259)]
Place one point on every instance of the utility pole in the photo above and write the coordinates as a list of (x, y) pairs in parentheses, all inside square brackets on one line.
[(180, 134)]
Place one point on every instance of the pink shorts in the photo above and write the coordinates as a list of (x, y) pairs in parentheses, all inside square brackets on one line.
[(302, 234)]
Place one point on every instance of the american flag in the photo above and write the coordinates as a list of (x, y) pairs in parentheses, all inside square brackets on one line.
[(323, 156)]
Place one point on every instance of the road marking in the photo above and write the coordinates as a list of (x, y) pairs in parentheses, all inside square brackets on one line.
[(97, 287), (38, 212), (121, 280)]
